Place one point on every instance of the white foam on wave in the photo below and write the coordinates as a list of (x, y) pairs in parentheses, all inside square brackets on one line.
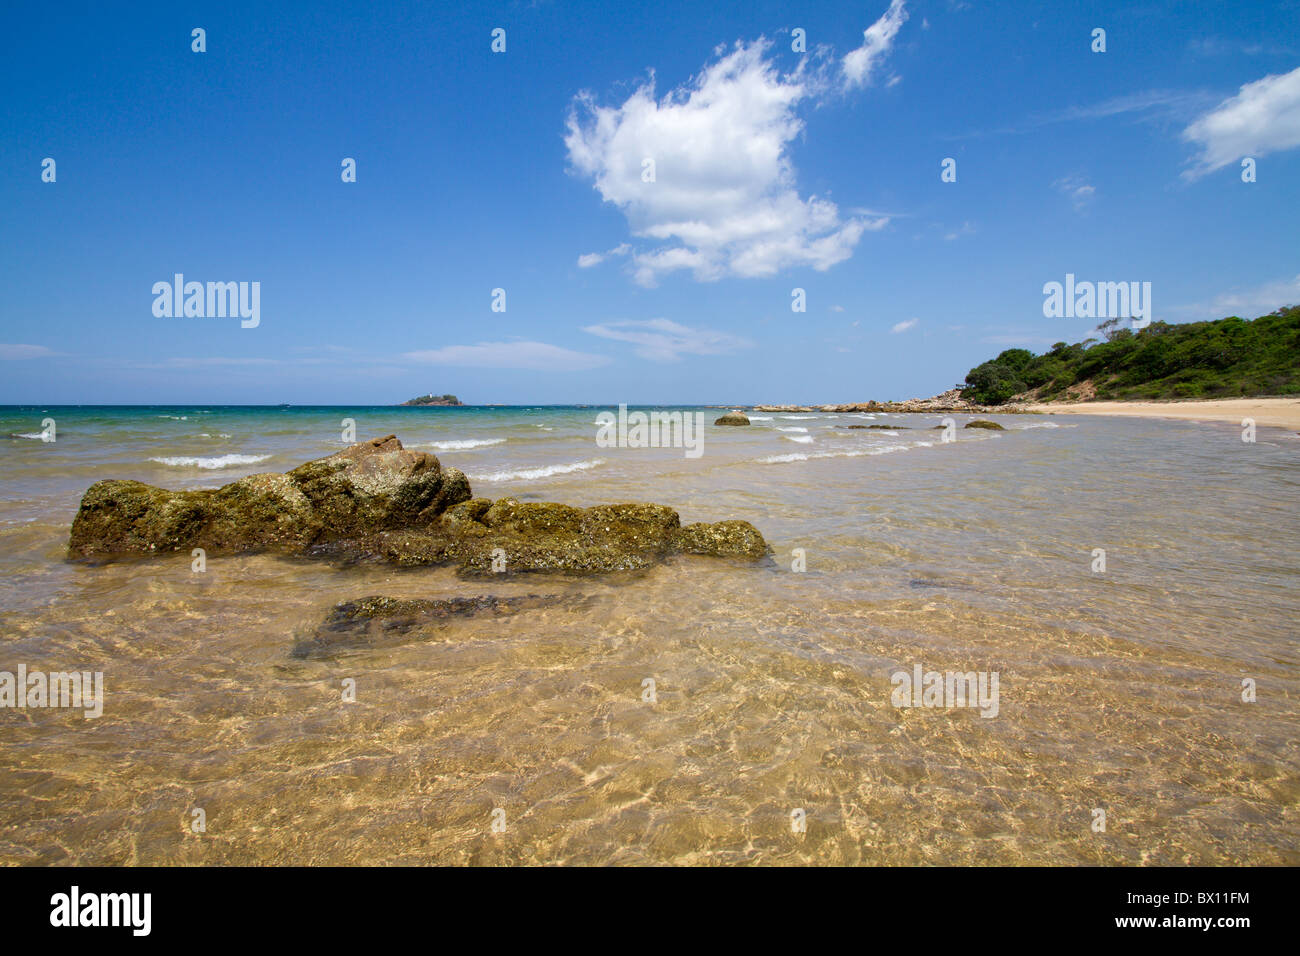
[(878, 450), (801, 439), (790, 428), (224, 461), (462, 444), (760, 418), (532, 474), (1039, 425), (30, 436), (798, 418), (176, 418)]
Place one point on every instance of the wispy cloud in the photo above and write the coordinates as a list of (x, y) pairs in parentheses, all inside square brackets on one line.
[(1263, 118), (1148, 106), (596, 258), (540, 356), (662, 340), (1247, 303), (859, 65), (1080, 191), (19, 352), (904, 325)]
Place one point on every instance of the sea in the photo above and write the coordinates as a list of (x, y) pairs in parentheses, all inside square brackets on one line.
[(1130, 587)]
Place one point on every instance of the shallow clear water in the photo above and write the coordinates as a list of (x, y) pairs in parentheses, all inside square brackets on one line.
[(1118, 690)]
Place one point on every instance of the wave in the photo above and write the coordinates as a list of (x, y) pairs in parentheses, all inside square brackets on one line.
[(798, 417), (531, 474), (760, 418), (461, 444), (790, 428), (224, 461), (30, 436), (878, 450), (801, 439)]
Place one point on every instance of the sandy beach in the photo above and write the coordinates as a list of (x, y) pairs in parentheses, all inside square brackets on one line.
[(1279, 412)]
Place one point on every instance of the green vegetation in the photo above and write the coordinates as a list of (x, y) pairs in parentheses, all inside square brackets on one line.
[(1229, 358), (434, 400)]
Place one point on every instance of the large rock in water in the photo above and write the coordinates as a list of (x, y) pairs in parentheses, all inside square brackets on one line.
[(378, 501), (733, 417)]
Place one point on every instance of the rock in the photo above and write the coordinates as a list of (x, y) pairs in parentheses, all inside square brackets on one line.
[(984, 423), (723, 539), (378, 621), (367, 487), (888, 427), (733, 417), (376, 501)]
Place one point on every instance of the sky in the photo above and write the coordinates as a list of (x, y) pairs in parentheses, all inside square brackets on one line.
[(623, 205)]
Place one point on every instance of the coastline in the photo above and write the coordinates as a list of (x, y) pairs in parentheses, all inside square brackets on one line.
[(1272, 412)]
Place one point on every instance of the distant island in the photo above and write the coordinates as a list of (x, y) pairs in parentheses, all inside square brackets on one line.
[(434, 400), (1227, 358)]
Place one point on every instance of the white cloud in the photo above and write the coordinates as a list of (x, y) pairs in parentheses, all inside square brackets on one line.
[(877, 39), (1247, 303), (663, 340), (1263, 118), (904, 325), (1079, 191), (529, 355), (24, 352), (837, 308), (596, 258), (723, 201)]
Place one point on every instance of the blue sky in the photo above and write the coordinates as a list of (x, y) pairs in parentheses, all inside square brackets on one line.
[(523, 171)]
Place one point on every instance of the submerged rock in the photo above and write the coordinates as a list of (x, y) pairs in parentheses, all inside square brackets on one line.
[(378, 501), (733, 417), (984, 423), (377, 621), (891, 428)]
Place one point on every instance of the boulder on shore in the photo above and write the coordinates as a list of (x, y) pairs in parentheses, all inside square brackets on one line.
[(984, 423), (733, 417), (379, 501)]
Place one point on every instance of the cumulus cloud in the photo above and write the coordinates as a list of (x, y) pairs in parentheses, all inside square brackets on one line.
[(1263, 118), (529, 355), (16, 352), (663, 340), (904, 325), (859, 65), (722, 200)]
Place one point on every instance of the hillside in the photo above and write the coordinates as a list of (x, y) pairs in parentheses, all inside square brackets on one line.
[(1227, 358)]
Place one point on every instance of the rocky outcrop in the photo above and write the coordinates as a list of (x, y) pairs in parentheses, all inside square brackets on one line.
[(984, 423), (733, 417), (949, 401), (379, 501)]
